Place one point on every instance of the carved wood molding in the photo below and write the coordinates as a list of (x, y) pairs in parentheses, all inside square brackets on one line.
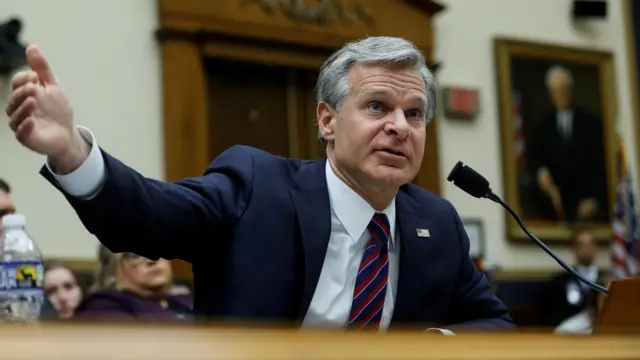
[(231, 17), (322, 12), (429, 6), (316, 10), (201, 38)]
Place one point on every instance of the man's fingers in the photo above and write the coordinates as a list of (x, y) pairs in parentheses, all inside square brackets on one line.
[(24, 130), (39, 64), (23, 112), (22, 78), (19, 95)]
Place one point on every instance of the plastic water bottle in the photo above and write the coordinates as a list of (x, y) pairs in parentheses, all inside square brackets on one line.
[(21, 273)]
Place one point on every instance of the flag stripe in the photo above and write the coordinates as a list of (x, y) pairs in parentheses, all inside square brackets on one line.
[(625, 257)]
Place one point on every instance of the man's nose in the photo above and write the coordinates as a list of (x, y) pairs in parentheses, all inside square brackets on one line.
[(399, 125)]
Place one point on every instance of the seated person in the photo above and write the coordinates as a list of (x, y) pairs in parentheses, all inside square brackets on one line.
[(6, 205), (106, 273), (141, 290), (567, 296), (62, 290), (582, 322)]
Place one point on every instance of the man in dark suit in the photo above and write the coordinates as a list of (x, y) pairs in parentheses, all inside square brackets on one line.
[(347, 241), (567, 156)]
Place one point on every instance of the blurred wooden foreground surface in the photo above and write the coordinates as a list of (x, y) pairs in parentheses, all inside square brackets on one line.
[(103, 341)]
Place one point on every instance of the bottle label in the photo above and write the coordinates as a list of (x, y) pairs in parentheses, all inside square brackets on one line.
[(21, 276), (21, 290)]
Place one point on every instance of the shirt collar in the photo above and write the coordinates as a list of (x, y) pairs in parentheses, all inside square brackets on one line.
[(587, 270), (352, 210)]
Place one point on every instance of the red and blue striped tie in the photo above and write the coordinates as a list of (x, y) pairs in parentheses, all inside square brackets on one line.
[(373, 273)]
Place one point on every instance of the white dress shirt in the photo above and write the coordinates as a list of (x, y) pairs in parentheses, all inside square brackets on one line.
[(580, 323), (565, 122), (350, 216), (588, 272)]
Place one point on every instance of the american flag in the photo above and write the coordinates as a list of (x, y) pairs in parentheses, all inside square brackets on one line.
[(625, 246)]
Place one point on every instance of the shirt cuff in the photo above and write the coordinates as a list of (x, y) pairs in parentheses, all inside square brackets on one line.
[(444, 332), (86, 181)]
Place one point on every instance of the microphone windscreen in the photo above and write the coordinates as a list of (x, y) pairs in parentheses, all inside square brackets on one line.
[(469, 180)]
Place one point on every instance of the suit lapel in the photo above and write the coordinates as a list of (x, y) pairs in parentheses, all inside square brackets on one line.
[(311, 201), (414, 261)]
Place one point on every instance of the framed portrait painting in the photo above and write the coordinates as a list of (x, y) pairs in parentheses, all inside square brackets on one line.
[(557, 115)]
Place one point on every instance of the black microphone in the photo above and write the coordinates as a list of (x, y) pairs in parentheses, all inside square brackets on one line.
[(476, 185)]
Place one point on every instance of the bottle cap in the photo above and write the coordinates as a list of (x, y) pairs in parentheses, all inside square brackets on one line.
[(14, 220)]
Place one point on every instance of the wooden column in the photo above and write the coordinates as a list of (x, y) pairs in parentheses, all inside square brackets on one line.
[(186, 127), (186, 148)]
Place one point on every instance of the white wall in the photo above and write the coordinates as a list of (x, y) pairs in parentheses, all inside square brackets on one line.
[(465, 34), (105, 55)]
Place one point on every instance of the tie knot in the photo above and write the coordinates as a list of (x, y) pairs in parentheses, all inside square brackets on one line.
[(379, 228)]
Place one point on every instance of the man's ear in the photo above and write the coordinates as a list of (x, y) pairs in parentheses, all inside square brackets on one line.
[(326, 120)]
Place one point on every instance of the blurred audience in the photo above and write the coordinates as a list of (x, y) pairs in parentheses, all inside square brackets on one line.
[(105, 277), (141, 288), (63, 290), (6, 205), (568, 296)]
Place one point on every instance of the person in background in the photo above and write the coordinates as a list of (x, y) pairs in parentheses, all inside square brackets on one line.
[(6, 204), (584, 321), (140, 291), (62, 289), (105, 276), (568, 296)]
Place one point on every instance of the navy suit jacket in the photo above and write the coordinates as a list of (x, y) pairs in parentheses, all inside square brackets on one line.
[(256, 229)]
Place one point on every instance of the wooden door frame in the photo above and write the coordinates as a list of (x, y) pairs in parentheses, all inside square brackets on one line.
[(186, 120), (194, 30)]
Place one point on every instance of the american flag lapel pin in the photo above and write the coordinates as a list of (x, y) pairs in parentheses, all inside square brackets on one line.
[(423, 233)]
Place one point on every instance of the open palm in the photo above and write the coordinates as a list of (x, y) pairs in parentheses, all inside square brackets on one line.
[(39, 111), (51, 130)]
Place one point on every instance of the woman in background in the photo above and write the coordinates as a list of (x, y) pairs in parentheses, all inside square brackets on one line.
[(62, 290), (140, 289)]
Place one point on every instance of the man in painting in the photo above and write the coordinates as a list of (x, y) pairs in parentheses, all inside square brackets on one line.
[(567, 157)]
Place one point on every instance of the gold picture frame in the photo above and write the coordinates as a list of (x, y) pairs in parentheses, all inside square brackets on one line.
[(528, 105)]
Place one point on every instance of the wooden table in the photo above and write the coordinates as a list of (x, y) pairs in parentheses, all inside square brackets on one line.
[(119, 341)]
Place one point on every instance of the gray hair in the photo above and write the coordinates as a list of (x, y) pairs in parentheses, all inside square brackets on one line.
[(333, 82), (558, 70)]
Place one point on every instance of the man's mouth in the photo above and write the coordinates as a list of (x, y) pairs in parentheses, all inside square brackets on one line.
[(393, 152)]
